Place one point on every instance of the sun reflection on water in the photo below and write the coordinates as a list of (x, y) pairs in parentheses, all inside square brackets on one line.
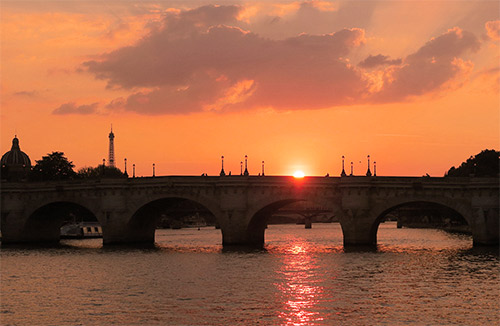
[(299, 289)]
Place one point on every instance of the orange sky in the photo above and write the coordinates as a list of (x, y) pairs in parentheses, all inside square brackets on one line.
[(296, 84)]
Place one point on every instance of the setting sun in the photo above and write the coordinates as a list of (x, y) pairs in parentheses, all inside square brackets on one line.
[(298, 174)]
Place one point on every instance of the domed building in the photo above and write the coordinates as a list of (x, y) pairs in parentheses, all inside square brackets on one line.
[(15, 164)]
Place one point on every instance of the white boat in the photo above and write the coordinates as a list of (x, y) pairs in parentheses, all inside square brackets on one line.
[(81, 230)]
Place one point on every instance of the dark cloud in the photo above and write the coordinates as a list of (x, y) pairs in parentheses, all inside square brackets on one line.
[(431, 67), (72, 108), (196, 62), (201, 60), (378, 60), (451, 44)]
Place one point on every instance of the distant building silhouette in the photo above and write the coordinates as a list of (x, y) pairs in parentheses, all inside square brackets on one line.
[(15, 164), (111, 158)]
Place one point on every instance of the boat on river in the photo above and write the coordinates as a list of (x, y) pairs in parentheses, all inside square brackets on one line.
[(81, 230)]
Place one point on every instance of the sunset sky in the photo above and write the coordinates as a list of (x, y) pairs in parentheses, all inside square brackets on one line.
[(414, 84)]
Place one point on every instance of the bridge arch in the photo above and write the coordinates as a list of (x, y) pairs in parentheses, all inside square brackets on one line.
[(43, 223), (258, 219), (91, 205), (379, 212), (145, 214), (259, 214)]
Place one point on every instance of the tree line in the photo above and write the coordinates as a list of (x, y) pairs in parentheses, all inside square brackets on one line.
[(55, 166), (484, 164)]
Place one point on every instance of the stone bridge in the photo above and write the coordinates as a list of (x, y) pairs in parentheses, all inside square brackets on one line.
[(127, 208)]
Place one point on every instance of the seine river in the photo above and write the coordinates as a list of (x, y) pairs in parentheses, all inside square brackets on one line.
[(303, 277)]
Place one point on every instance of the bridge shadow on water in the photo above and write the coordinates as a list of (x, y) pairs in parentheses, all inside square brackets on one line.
[(35, 245), (273, 246), (159, 247), (81, 245), (361, 248), (481, 252), (244, 249), (470, 254)]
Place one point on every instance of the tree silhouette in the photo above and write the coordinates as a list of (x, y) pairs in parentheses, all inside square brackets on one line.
[(54, 166), (100, 171), (484, 164)]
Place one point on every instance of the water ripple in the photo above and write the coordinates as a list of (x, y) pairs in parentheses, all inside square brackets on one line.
[(300, 277)]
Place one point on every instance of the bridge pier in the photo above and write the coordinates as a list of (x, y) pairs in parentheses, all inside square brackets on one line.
[(235, 232), (358, 228), (115, 236), (117, 229), (242, 238), (485, 227), (12, 223), (16, 228), (308, 222)]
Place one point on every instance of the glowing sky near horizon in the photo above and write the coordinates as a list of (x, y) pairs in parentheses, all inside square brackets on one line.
[(414, 84)]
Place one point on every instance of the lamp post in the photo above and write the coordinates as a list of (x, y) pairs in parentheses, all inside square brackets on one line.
[(241, 167), (125, 159), (262, 168), (374, 168), (246, 166), (351, 169), (343, 174), (368, 172), (222, 173), (153, 169), (103, 165), (133, 170)]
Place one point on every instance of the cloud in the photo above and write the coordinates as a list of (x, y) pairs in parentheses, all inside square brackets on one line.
[(27, 94), (196, 61), (72, 108), (202, 59), (493, 29), (377, 60), (430, 68), (278, 20), (489, 79)]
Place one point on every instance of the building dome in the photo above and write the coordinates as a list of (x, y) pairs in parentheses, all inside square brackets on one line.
[(15, 163), (15, 156)]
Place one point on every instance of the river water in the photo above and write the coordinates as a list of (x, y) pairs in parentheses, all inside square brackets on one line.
[(303, 277)]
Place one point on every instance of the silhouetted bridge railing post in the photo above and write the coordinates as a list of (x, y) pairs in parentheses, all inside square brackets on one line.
[(127, 209)]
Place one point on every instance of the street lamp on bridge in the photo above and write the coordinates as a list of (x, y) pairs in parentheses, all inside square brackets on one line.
[(246, 166), (368, 172), (343, 174)]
